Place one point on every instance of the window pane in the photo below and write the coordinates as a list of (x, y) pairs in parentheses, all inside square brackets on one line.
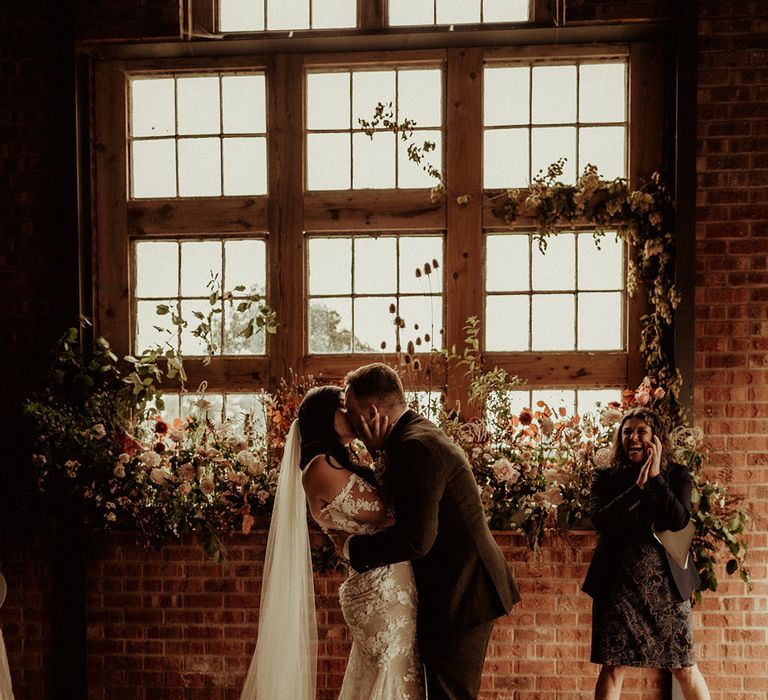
[(601, 268), (458, 11), (600, 326), (506, 267), (153, 107), (198, 105), (411, 174), (404, 12), (199, 261), (602, 92), (368, 89), (373, 322), (153, 165), (422, 314), (328, 164), (330, 265), (555, 269), (147, 321), (241, 16), (553, 95), (375, 266), (244, 107), (328, 101), (603, 146), (589, 398), (333, 13), (239, 405), (245, 166), (505, 10), (215, 412), (287, 14), (373, 160), (191, 344), (505, 158), (330, 324), (235, 341), (246, 265), (505, 96), (415, 251), (506, 323), (549, 144), (419, 96), (157, 269), (199, 167), (554, 399), (552, 322)]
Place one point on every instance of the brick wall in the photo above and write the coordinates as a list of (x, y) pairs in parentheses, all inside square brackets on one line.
[(177, 622)]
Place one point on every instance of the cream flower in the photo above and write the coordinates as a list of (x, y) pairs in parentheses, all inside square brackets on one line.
[(150, 459)]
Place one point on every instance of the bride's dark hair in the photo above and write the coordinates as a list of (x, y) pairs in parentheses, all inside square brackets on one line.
[(317, 414)]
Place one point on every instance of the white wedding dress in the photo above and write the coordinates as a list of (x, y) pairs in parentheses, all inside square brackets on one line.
[(379, 607)]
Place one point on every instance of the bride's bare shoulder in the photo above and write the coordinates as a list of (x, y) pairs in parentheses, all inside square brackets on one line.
[(324, 477)]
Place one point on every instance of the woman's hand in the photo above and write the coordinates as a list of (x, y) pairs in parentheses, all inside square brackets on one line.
[(652, 466), (375, 431)]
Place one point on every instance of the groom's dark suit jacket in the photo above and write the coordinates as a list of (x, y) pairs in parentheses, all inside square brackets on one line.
[(461, 575)]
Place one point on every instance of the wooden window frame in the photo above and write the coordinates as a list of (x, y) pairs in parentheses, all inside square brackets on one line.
[(287, 212)]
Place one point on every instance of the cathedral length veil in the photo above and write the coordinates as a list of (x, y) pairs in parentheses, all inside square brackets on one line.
[(285, 661)]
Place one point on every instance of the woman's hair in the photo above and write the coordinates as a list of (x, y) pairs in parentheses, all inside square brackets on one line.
[(658, 429), (317, 415), (378, 382)]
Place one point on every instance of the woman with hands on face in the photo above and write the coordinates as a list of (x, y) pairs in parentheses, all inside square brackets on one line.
[(641, 610)]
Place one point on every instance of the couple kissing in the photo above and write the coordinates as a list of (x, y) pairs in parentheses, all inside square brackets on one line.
[(426, 579)]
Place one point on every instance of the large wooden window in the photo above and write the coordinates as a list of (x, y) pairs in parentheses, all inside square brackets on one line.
[(254, 172)]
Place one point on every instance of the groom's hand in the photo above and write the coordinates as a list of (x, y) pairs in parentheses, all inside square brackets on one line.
[(374, 431)]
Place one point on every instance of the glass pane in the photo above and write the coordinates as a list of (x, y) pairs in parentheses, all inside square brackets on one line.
[(334, 13), (199, 260), (198, 105), (154, 168), (245, 166), (555, 269), (458, 11), (505, 95), (553, 95), (513, 401), (147, 324), (328, 166), (214, 412), (328, 101), (200, 167), (589, 398), (506, 263), (554, 398), (235, 342), (241, 16), (172, 407), (330, 323), (153, 110), (419, 96), (191, 344), (602, 92), (505, 10), (428, 403), (422, 314), (373, 323), (375, 266), (330, 265), (238, 405), (243, 104), (506, 323), (552, 322), (373, 160), (410, 174), (245, 264), (287, 14), (505, 158), (548, 145), (403, 12), (605, 147), (600, 326), (368, 89), (415, 251), (157, 269), (601, 268)]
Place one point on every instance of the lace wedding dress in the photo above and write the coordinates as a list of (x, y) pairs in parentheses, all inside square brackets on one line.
[(379, 607)]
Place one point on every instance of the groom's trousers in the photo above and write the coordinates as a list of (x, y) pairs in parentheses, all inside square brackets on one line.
[(453, 660)]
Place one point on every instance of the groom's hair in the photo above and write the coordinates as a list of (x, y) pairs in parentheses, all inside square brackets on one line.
[(376, 382)]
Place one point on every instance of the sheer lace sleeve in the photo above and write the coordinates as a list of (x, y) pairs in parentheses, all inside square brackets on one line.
[(356, 509)]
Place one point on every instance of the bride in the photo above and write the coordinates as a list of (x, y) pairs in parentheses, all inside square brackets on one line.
[(379, 606)]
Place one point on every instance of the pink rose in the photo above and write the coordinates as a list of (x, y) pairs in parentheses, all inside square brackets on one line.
[(207, 486), (642, 397), (186, 471), (659, 393), (119, 470)]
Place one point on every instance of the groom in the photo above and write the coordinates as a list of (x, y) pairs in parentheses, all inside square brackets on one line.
[(462, 579)]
